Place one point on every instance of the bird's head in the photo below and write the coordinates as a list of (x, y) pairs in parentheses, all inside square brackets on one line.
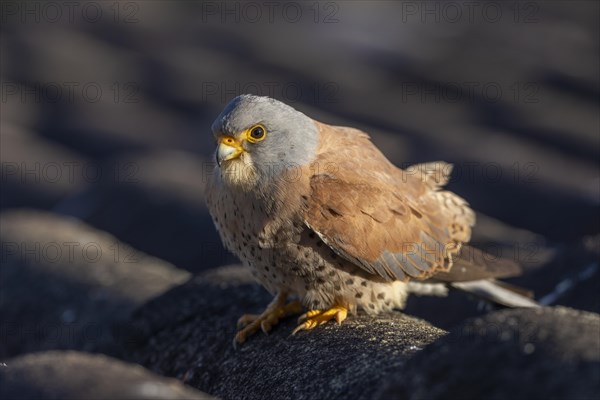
[(260, 138)]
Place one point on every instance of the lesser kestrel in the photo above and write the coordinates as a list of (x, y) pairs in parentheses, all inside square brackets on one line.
[(322, 217)]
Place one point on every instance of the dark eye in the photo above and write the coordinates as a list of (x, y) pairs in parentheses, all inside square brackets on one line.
[(257, 133)]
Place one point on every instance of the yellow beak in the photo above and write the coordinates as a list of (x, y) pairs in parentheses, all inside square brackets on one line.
[(228, 149)]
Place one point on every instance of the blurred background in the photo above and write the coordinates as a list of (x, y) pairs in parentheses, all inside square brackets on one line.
[(106, 111)]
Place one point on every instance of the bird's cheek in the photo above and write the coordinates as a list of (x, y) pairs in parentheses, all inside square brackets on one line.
[(247, 147)]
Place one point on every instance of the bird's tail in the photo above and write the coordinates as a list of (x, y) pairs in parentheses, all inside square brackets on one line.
[(476, 272), (497, 292)]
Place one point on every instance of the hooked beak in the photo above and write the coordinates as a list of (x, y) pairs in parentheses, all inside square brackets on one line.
[(228, 149)]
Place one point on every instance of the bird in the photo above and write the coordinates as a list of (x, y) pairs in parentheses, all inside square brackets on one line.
[(327, 224)]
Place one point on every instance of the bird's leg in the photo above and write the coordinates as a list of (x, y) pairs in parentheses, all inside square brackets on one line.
[(248, 324), (314, 318)]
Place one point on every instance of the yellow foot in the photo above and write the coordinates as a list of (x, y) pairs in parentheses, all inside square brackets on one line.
[(249, 324), (314, 318)]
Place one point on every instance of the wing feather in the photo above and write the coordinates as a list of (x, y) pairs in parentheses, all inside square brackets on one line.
[(393, 223)]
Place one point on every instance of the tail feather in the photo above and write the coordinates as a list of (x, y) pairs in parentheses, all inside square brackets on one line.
[(475, 272), (517, 289), (473, 264), (494, 291)]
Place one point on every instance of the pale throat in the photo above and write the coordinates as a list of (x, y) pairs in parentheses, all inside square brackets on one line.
[(239, 173)]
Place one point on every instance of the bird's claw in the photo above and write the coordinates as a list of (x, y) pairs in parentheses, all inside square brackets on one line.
[(314, 318), (249, 324)]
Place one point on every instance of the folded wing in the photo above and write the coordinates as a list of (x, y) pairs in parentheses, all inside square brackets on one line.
[(397, 224)]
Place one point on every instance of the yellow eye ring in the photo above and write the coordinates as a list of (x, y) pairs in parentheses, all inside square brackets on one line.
[(256, 133)]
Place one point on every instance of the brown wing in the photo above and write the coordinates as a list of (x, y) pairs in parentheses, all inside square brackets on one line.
[(393, 223), (472, 264)]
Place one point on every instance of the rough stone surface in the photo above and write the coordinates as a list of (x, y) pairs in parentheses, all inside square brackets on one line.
[(550, 353), (65, 285), (187, 333), (72, 375)]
